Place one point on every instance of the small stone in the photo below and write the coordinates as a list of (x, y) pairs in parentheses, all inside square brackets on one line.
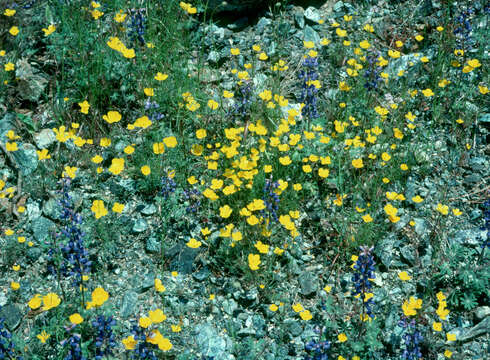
[(26, 158), (149, 209), (11, 315), (129, 302), (44, 138), (308, 283), (311, 35), (299, 19), (41, 228), (313, 14), (52, 209), (139, 226), (152, 245), (229, 306), (262, 24), (482, 312)]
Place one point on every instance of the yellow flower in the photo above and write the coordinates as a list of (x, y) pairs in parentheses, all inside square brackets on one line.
[(15, 285), (76, 318), (176, 328), (306, 315), (117, 166), (149, 91), (253, 261), (9, 12), (129, 343), (340, 32), (193, 243), (404, 276), (51, 29), (235, 51), (50, 301), (118, 208), (14, 30), (160, 76), (225, 211), (43, 336), (419, 38), (145, 170), (157, 316), (35, 302), (443, 209), (365, 44), (451, 337), (404, 167), (285, 160), (263, 56), (357, 163), (448, 353), (457, 212), (262, 248), (112, 117), (99, 296), (11, 146), (128, 150), (367, 218), (417, 199), (170, 141), (84, 106), (120, 17), (428, 92), (96, 14), (213, 105), (9, 66), (99, 209), (70, 171), (159, 286), (342, 337), (437, 326), (298, 307), (142, 122)]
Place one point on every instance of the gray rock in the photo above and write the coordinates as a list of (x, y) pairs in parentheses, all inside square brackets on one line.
[(30, 81), (213, 57), (311, 35), (182, 258), (52, 209), (308, 283), (152, 245), (468, 237), (149, 209), (466, 334), (7, 123), (293, 326), (139, 226), (33, 211), (229, 306), (3, 299), (408, 254), (34, 253), (211, 343), (129, 302), (44, 138), (482, 312), (313, 14), (11, 315), (299, 19), (202, 274), (262, 25), (26, 158), (236, 6), (41, 228)]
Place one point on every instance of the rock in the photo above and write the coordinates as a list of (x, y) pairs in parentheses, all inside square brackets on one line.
[(11, 315), (468, 237), (293, 326), (8, 122), (139, 226), (41, 228), (308, 283), (30, 81), (311, 35), (299, 19), (33, 211), (44, 138), (262, 25), (466, 334), (482, 312), (33, 253), (3, 299), (52, 209), (229, 306), (129, 302), (152, 245), (149, 209), (147, 283), (202, 274), (211, 343), (182, 258), (26, 158), (408, 254), (237, 6), (313, 15)]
